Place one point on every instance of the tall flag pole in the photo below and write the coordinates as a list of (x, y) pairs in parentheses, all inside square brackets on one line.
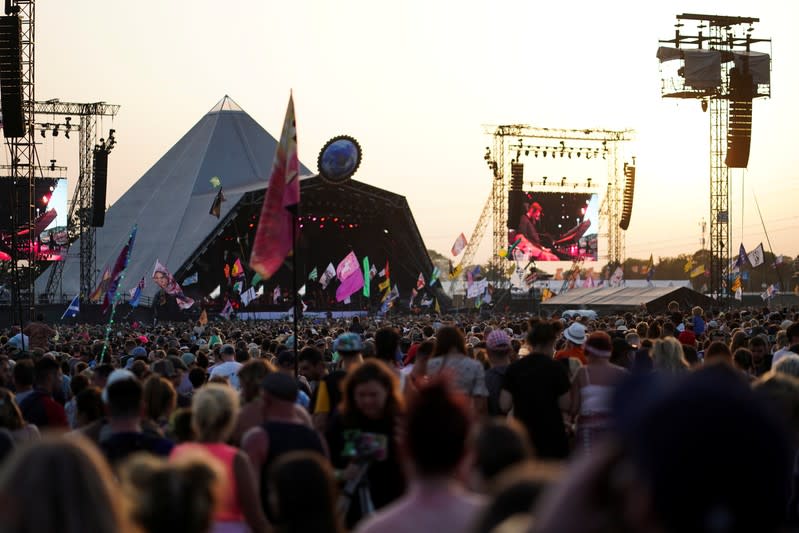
[(276, 235), (116, 282)]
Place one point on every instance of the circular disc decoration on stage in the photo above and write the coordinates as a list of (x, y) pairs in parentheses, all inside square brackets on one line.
[(339, 159)]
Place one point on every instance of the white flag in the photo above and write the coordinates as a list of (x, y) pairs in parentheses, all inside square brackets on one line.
[(327, 275), (301, 291), (756, 256), (248, 296), (460, 244), (216, 293)]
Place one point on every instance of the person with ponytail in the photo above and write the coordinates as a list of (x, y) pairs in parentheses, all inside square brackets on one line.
[(592, 388), (533, 387), (435, 444)]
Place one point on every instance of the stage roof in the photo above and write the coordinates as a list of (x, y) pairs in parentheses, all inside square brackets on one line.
[(170, 202), (628, 298)]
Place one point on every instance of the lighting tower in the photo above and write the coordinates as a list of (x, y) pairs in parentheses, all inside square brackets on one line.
[(714, 63)]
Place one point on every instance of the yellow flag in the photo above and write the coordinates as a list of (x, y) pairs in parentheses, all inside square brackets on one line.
[(736, 284), (385, 284), (456, 273), (437, 307)]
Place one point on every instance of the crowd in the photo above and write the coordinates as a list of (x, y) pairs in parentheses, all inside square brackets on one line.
[(681, 421)]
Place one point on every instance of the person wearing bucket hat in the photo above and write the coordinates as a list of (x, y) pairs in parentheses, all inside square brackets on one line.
[(575, 338)]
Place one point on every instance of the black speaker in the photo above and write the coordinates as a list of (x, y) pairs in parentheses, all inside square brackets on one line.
[(739, 128), (627, 198), (11, 77), (99, 186), (516, 176)]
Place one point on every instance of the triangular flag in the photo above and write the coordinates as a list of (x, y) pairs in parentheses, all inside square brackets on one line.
[(216, 293), (313, 275), (203, 320), (273, 238), (420, 281), (73, 308), (256, 279), (435, 275), (216, 206), (301, 291), (237, 271), (327, 275), (191, 280), (135, 293), (227, 310), (460, 244), (215, 182)]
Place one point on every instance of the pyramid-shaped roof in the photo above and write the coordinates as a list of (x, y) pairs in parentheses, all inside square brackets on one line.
[(170, 202)]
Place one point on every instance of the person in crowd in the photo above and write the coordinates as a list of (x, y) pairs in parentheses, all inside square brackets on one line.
[(349, 348), (533, 387), (178, 496), (76, 385), (281, 432), (436, 442), (500, 348), (89, 407), (286, 363), (11, 419), (718, 352), (214, 414), (761, 355), (499, 444), (592, 389), (296, 479), (313, 367), (160, 401), (39, 334), (123, 436), (792, 341), (251, 376), (6, 373), (370, 411), (23, 379), (788, 365), (60, 485), (39, 407), (387, 345), (468, 374), (229, 367), (668, 357), (575, 338)]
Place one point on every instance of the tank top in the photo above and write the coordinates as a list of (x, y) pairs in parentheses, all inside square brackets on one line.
[(230, 510), (594, 399)]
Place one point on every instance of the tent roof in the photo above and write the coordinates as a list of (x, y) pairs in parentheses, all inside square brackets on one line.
[(625, 297), (170, 202)]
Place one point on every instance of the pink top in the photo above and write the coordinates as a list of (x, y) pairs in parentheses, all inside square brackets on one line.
[(230, 510)]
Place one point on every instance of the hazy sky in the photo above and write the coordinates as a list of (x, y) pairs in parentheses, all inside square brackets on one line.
[(415, 80)]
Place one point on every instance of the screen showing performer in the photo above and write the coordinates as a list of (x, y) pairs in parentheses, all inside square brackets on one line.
[(554, 226)]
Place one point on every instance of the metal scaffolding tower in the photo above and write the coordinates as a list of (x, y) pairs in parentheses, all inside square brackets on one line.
[(80, 208), (727, 38)]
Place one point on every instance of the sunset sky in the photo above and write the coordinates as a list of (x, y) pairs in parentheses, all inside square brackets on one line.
[(414, 81)]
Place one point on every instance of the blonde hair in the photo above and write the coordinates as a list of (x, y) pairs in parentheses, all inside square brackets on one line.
[(215, 411), (668, 356)]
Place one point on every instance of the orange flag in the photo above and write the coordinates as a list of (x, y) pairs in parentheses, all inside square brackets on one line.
[(273, 239)]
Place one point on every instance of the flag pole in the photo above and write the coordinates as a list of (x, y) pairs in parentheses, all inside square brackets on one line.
[(776, 267), (116, 295), (295, 297)]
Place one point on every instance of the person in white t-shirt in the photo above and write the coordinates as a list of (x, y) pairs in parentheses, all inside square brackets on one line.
[(229, 367)]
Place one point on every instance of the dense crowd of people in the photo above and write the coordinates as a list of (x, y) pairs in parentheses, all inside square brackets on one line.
[(680, 421)]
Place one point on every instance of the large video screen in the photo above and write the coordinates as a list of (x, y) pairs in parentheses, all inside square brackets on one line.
[(553, 226)]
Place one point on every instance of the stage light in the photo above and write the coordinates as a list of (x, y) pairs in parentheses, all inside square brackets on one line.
[(52, 165), (52, 188), (55, 131), (545, 153), (589, 182), (44, 132), (553, 154), (45, 199), (385, 231), (563, 182), (704, 106), (536, 153)]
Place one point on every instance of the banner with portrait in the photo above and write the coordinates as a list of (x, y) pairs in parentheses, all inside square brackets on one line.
[(164, 279)]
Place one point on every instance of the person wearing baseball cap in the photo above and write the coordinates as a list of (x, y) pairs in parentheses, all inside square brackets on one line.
[(500, 349), (575, 338), (347, 350)]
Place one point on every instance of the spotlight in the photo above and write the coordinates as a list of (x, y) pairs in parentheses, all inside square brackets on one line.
[(704, 105), (52, 165), (44, 132), (55, 130), (545, 153), (563, 181)]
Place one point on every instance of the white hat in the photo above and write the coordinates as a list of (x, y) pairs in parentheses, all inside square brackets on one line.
[(621, 328), (785, 324), (575, 333)]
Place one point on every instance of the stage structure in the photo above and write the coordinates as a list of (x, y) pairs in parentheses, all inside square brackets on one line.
[(82, 207), (714, 62), (515, 150), (227, 154)]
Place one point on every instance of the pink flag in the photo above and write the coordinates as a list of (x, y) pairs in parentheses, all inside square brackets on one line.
[(460, 244), (350, 275), (273, 239)]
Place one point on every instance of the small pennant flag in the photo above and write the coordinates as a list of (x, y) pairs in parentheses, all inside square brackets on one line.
[(256, 279), (301, 291), (215, 182), (742, 257), (238, 270), (248, 296), (373, 271), (216, 206), (203, 320), (420, 281), (135, 293), (460, 244), (756, 257), (313, 275), (276, 294), (216, 293), (435, 275), (238, 286), (227, 310), (191, 280), (737, 284), (73, 309), (437, 308), (327, 275)]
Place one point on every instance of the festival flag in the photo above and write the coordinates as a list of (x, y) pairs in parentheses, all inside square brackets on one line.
[(349, 274), (617, 278), (227, 310), (301, 291), (135, 293), (256, 279), (697, 271), (216, 293), (426, 302), (756, 257), (273, 238), (276, 294), (414, 292), (469, 279), (238, 270), (203, 320), (386, 283), (190, 280), (367, 280), (650, 272), (73, 308), (260, 291), (391, 295), (215, 182), (739, 294), (248, 296), (119, 267), (327, 275), (437, 308), (420, 281), (313, 275), (227, 271), (102, 286), (372, 271), (737, 284), (688, 266), (216, 206), (742, 257), (435, 275), (546, 294), (237, 287), (460, 244)]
